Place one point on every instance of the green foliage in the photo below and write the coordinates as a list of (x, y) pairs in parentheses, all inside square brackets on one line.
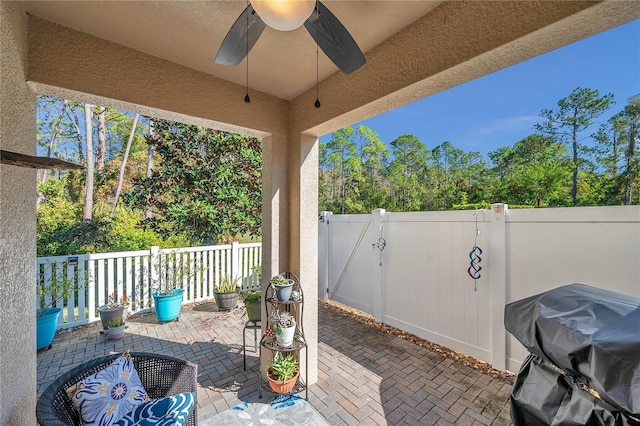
[(565, 124), (227, 285), (61, 233), (283, 368), (474, 206), (561, 165), (115, 322), (57, 288), (279, 280), (252, 296), (206, 184)]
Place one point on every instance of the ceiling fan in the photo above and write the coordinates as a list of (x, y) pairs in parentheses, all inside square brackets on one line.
[(328, 32)]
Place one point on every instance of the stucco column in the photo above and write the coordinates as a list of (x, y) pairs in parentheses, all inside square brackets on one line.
[(303, 178), (17, 226), (275, 216)]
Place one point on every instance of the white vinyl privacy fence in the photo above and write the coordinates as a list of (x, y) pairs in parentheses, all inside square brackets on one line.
[(136, 273), (409, 270)]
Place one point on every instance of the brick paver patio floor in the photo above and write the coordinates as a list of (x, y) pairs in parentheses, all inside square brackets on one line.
[(365, 376)]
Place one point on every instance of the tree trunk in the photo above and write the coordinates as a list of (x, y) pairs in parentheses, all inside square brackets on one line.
[(148, 214), (101, 155), (630, 169), (574, 187), (76, 124), (124, 164), (88, 192), (51, 145)]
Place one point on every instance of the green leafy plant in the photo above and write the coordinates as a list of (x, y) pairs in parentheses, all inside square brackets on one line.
[(227, 285), (57, 289), (283, 368), (280, 280), (116, 322), (252, 296), (173, 270)]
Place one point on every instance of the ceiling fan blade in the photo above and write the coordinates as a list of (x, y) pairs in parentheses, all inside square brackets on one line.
[(334, 39), (234, 46)]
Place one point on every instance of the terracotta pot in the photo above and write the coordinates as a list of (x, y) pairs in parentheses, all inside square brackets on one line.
[(283, 387)]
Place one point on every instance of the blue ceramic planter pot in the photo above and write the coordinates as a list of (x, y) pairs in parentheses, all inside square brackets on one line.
[(46, 324), (168, 305), (283, 292)]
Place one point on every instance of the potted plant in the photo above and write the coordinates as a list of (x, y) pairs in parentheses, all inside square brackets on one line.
[(47, 316), (226, 293), (170, 274), (283, 287), (283, 373), (284, 326), (116, 328), (252, 301), (114, 308)]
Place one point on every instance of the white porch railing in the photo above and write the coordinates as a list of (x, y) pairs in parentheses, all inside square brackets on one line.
[(96, 276)]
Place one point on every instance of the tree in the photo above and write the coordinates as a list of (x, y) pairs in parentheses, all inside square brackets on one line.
[(631, 117), (535, 168), (574, 114), (124, 164), (207, 183), (88, 191), (148, 213), (101, 154), (374, 154), (340, 157), (408, 173)]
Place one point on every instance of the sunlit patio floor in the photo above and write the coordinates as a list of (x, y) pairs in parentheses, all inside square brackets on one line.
[(365, 376)]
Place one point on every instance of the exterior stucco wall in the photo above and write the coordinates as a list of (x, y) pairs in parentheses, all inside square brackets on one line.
[(17, 226), (109, 74), (303, 163)]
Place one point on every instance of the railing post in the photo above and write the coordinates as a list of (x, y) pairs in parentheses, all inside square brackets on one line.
[(235, 272), (377, 284), (154, 274), (323, 255), (498, 279)]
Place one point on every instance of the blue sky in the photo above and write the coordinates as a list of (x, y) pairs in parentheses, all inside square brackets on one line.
[(501, 108)]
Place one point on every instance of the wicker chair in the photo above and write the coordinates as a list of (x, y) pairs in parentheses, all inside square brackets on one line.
[(160, 375)]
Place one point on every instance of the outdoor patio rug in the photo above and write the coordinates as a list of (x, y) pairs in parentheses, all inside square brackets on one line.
[(283, 410)]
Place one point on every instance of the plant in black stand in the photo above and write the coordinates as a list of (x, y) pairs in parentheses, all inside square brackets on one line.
[(226, 293), (283, 373), (284, 326), (283, 287)]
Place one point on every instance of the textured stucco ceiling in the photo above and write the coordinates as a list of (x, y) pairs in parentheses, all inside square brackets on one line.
[(189, 33)]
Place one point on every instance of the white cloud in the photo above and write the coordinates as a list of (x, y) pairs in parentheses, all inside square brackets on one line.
[(509, 124)]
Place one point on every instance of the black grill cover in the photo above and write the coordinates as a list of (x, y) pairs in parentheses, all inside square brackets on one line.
[(590, 333), (543, 395)]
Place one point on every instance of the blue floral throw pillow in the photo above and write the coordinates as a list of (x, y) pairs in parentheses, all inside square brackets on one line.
[(106, 396), (169, 411)]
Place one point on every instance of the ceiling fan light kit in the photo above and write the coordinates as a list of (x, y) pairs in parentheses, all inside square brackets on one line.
[(284, 15)]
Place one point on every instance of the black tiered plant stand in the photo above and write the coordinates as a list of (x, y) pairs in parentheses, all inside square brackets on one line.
[(295, 308)]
